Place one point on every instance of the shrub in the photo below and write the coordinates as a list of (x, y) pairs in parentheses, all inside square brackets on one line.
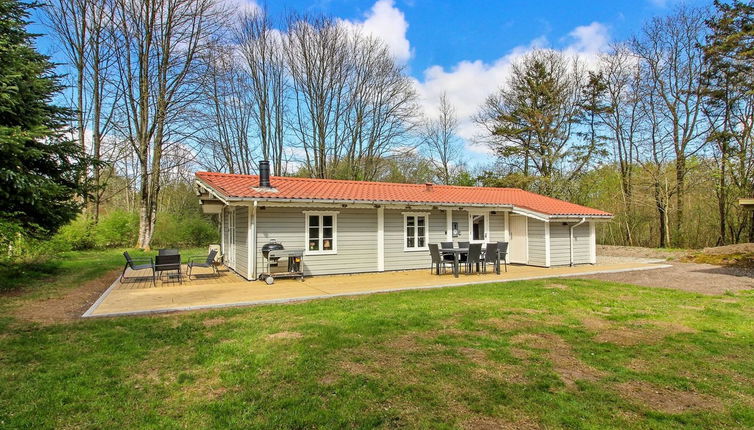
[(118, 228), (77, 236), (184, 231)]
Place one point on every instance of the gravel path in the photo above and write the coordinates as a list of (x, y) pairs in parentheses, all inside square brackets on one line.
[(697, 278)]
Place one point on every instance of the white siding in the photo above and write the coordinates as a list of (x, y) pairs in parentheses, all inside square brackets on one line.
[(356, 238), (536, 239), (396, 258), (582, 244), (560, 245), (242, 239), (497, 227)]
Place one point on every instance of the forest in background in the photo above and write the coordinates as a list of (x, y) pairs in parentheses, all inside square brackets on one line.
[(657, 131)]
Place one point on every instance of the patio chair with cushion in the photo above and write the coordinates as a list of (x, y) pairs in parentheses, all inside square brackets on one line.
[(474, 257), (437, 259), (206, 261), (168, 263), (490, 256), (137, 263)]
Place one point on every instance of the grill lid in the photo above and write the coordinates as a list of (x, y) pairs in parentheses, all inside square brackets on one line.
[(271, 246)]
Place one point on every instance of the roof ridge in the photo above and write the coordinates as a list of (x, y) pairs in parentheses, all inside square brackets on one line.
[(356, 181)]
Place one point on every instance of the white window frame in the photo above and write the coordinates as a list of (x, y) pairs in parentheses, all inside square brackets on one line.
[(416, 226), (486, 215), (334, 249)]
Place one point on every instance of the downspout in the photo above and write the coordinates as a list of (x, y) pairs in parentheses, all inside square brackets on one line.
[(253, 244), (583, 220)]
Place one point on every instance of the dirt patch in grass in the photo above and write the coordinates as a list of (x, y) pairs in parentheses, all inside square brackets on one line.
[(285, 335), (556, 286), (510, 323), (666, 399), (595, 324), (516, 322), (638, 332), (639, 365), (66, 306), (489, 423), (488, 368), (520, 353), (211, 322), (564, 361)]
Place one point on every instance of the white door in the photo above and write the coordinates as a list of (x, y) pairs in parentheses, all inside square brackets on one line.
[(518, 246), (230, 252), (479, 227)]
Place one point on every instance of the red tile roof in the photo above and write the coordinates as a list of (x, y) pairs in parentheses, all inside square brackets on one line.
[(245, 187)]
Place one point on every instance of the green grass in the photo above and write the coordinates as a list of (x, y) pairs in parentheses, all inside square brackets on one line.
[(587, 354), (67, 269)]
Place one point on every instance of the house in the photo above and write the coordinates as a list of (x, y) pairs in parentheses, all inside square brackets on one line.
[(354, 226), (746, 203)]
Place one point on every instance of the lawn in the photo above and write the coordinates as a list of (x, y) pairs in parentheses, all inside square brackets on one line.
[(552, 353)]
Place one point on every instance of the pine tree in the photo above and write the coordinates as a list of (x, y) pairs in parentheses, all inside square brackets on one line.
[(39, 166)]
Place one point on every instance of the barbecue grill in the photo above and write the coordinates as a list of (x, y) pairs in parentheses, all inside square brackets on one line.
[(281, 262)]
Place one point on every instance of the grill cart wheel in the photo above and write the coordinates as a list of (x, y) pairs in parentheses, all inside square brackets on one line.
[(269, 280)]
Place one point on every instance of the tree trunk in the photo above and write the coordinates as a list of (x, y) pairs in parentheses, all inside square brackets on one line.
[(680, 179), (662, 215)]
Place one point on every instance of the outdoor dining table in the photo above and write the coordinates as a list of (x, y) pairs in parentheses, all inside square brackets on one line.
[(457, 252)]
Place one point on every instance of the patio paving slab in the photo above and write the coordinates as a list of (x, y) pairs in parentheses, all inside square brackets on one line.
[(140, 297)]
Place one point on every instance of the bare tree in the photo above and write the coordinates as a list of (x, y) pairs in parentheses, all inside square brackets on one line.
[(351, 104), (441, 143), (70, 21), (317, 59), (261, 47), (624, 119), (671, 49), (380, 111), (159, 44), (84, 30), (226, 110)]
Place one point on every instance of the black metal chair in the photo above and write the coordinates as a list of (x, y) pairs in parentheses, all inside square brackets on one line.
[(463, 244), (474, 257), (490, 256), (208, 263), (131, 262), (437, 259), (168, 263), (502, 252), (168, 251)]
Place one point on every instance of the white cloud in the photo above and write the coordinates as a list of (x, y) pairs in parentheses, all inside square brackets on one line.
[(387, 22), (241, 6), (468, 83), (589, 39)]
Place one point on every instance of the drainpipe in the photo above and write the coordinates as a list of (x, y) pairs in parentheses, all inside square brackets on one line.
[(583, 220)]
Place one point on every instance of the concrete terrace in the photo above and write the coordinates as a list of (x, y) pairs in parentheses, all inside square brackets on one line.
[(137, 295)]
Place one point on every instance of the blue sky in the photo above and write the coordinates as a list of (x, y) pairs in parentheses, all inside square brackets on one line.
[(465, 48)]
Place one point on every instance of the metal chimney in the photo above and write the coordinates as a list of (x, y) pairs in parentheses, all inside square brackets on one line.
[(264, 174)]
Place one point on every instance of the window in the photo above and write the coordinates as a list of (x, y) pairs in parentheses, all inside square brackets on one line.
[(321, 232), (415, 231), (478, 227)]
